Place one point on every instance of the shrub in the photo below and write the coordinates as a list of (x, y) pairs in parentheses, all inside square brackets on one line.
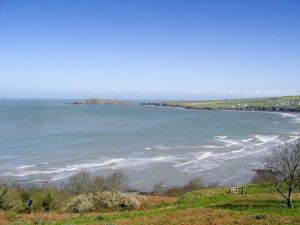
[(24, 195), (59, 199), (46, 201), (2, 197), (81, 203), (103, 200), (129, 201), (10, 201), (116, 200)]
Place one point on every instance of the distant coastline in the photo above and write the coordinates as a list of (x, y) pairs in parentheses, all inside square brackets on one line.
[(98, 101), (270, 104)]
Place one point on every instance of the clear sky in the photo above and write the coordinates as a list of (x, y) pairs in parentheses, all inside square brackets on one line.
[(155, 49)]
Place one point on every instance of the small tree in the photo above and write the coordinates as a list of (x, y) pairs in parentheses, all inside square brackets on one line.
[(159, 188), (117, 181), (80, 182), (98, 183), (283, 166), (194, 184)]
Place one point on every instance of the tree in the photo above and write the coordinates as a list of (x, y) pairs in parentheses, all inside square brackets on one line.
[(80, 182), (283, 166), (117, 181)]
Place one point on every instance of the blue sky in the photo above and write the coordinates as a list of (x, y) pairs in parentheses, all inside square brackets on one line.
[(164, 49)]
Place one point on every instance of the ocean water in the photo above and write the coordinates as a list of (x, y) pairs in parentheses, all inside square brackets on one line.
[(47, 140)]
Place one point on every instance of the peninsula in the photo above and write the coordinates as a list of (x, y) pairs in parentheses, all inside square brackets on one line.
[(98, 101)]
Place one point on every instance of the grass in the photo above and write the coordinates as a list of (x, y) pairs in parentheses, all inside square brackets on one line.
[(259, 205)]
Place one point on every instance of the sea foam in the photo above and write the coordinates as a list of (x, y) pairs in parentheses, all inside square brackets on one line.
[(265, 138), (25, 166), (203, 156)]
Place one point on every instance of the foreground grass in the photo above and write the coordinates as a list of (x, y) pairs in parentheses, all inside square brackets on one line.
[(260, 205)]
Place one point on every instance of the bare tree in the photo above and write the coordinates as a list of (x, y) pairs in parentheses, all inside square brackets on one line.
[(80, 182), (117, 181), (159, 188), (283, 166), (98, 183)]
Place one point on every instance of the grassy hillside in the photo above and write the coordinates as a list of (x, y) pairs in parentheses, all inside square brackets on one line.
[(288, 103), (259, 205)]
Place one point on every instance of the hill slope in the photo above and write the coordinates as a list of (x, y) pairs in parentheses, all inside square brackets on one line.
[(259, 205)]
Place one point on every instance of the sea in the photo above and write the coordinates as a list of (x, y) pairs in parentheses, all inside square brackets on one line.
[(49, 141)]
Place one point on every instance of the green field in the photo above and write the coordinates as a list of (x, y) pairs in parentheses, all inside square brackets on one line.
[(287, 103), (259, 205)]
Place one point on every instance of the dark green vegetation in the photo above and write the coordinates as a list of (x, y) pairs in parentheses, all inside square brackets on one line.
[(288, 103)]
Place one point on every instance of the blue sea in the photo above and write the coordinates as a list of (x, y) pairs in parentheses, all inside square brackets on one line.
[(48, 140)]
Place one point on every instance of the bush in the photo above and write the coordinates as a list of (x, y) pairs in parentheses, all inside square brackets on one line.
[(81, 203), (116, 200), (128, 202), (10, 201), (2, 198), (24, 195), (103, 200), (46, 201), (59, 199)]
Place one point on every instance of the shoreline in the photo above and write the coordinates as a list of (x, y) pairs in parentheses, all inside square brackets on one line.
[(221, 109), (231, 110)]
